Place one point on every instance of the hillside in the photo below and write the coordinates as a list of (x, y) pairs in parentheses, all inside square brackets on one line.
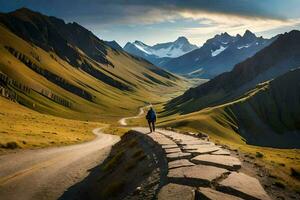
[(65, 70), (217, 55), (262, 126), (269, 114), (274, 60)]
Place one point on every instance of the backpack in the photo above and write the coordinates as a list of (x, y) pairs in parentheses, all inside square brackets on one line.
[(151, 115)]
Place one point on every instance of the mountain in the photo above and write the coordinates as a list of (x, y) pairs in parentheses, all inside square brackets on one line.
[(218, 54), (63, 69), (160, 53), (113, 44), (268, 115), (277, 58)]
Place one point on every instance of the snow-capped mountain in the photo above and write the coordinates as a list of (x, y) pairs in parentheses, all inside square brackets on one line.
[(160, 53), (219, 54)]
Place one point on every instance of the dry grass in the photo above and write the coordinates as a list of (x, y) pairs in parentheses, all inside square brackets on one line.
[(23, 128)]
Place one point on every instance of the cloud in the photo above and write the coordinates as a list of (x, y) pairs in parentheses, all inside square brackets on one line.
[(145, 11), (197, 19)]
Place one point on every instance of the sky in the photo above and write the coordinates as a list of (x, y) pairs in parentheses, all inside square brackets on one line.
[(158, 21)]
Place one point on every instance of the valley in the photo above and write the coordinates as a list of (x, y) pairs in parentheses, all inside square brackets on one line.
[(73, 114)]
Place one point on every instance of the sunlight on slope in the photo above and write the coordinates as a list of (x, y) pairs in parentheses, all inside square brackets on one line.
[(21, 127), (106, 103)]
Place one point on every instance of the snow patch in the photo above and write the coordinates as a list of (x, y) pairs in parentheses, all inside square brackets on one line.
[(196, 71), (244, 46), (142, 48), (218, 51)]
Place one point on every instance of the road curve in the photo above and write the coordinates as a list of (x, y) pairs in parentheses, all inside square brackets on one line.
[(47, 173), (123, 122)]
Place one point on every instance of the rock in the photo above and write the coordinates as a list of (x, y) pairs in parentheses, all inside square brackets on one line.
[(197, 175), (169, 146), (194, 142), (208, 193), (180, 163), (173, 150), (173, 191), (204, 150), (227, 162), (242, 185), (178, 155), (221, 152), (160, 139), (194, 147)]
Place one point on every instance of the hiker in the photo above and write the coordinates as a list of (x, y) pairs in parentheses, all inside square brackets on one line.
[(151, 118)]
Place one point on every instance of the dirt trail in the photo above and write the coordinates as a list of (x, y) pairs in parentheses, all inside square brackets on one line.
[(47, 173), (123, 122)]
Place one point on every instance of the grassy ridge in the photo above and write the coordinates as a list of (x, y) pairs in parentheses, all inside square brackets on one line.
[(107, 103)]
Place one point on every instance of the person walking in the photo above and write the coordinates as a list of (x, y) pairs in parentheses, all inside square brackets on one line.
[(151, 118)]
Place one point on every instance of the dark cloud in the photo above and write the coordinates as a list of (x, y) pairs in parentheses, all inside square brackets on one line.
[(118, 11)]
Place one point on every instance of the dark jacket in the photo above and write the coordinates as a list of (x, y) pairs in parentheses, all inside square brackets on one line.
[(151, 116)]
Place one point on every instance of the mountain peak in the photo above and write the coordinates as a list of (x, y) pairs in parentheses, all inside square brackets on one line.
[(225, 34), (181, 39), (25, 12), (249, 34)]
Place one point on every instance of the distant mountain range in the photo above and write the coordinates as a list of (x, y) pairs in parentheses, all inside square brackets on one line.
[(160, 53), (219, 54), (277, 58)]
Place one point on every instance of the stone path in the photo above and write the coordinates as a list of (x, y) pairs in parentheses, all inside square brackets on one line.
[(199, 169)]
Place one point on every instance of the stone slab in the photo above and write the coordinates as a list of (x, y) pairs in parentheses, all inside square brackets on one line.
[(173, 191), (180, 163), (208, 193), (204, 150), (177, 156), (194, 147), (221, 152), (169, 146), (173, 150), (194, 142), (227, 162), (197, 175), (242, 185)]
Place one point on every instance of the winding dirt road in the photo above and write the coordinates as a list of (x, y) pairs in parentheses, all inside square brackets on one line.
[(142, 111), (47, 173)]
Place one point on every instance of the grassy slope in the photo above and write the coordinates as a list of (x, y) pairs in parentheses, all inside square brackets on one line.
[(109, 103), (222, 123), (29, 129)]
